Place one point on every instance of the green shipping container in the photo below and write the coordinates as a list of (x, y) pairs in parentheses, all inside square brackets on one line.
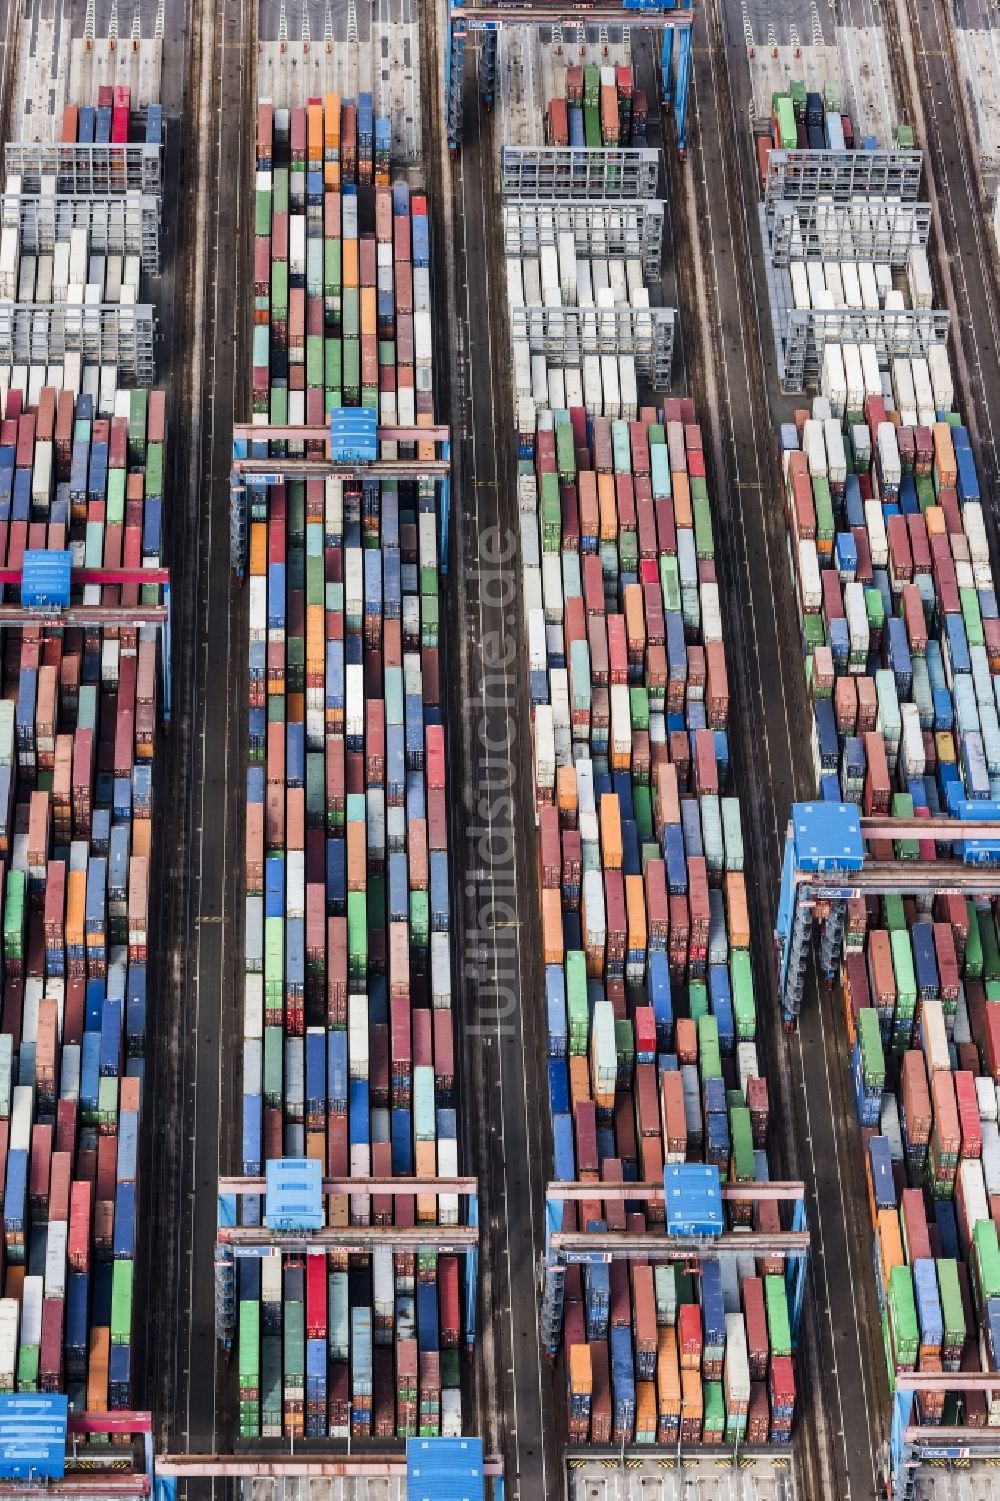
[(279, 293), (697, 1000), (973, 946), (703, 540), (357, 935), (903, 1316), (744, 1006), (986, 1259), (14, 915), (709, 1057), (741, 1138), (28, 1357), (779, 1335), (990, 947), (121, 1303), (578, 1011)]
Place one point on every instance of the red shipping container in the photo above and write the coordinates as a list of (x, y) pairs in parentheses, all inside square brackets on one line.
[(968, 1114)]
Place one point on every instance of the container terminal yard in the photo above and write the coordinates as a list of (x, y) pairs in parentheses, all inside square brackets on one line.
[(499, 750)]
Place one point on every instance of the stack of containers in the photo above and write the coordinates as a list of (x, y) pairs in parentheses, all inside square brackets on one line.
[(82, 472), (897, 607), (648, 981), (600, 107), (804, 120), (70, 272), (348, 1033), (902, 642)]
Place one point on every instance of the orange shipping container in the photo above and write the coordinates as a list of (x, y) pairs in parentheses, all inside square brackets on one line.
[(552, 928), (581, 1375), (607, 507), (682, 498), (611, 831), (97, 1369), (668, 1376), (349, 263), (890, 1242), (635, 908), (331, 122), (737, 912), (579, 1081)]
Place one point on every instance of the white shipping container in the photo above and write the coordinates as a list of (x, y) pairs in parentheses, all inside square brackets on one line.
[(833, 380), (593, 389), (447, 1165), (918, 278), (545, 750), (537, 654), (618, 283), (857, 617), (522, 367), (970, 1199), (567, 266), (609, 382), (851, 284), (991, 1155), (621, 722), (595, 926), (869, 369), (55, 1259), (628, 388), (8, 1342), (814, 448), (902, 384), (878, 543), (574, 386), (800, 286), (869, 287), (736, 1370), (423, 343), (836, 454), (532, 587), (557, 390), (515, 283), (747, 1066), (810, 583), (711, 614), (32, 1294), (941, 380), (834, 283), (913, 757), (548, 265), (357, 1036), (20, 1119), (253, 1006), (817, 282), (888, 451), (854, 377), (531, 276), (584, 285), (986, 1096), (552, 587), (923, 390)]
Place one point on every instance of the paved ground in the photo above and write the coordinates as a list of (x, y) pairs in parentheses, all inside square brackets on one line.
[(369, 47), (977, 45), (691, 1480)]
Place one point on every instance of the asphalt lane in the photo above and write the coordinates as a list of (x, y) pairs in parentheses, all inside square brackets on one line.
[(503, 1022), (196, 1050)]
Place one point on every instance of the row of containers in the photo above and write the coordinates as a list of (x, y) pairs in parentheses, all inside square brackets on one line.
[(348, 1054), (648, 981), (82, 471), (901, 639)]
